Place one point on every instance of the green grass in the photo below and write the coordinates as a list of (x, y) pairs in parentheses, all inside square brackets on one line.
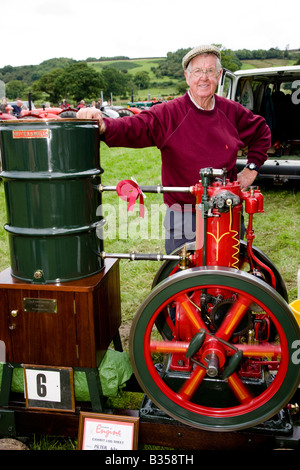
[(141, 65), (144, 166)]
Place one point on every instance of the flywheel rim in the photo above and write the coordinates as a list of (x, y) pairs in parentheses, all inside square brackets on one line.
[(279, 391)]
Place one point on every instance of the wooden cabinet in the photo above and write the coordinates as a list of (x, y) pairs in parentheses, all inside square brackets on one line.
[(69, 324)]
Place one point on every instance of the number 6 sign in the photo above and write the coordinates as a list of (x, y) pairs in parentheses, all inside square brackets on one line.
[(49, 387)]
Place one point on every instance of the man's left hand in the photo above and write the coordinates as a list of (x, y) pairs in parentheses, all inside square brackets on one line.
[(246, 178)]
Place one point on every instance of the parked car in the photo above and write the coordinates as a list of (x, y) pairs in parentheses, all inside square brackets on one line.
[(273, 93), (142, 105), (124, 111)]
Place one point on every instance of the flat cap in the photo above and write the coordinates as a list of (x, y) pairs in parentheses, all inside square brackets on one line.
[(204, 49)]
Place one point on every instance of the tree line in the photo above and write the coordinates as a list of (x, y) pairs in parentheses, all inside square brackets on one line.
[(59, 78)]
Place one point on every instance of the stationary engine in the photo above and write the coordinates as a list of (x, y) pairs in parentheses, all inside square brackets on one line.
[(212, 345)]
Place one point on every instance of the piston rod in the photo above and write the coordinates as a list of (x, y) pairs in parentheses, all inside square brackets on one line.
[(133, 256)]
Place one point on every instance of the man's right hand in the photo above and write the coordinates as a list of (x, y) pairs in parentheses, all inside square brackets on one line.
[(92, 113)]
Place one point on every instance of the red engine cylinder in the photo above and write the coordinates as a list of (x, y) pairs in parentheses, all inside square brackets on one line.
[(218, 223)]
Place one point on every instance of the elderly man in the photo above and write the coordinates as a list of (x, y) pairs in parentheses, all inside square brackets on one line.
[(194, 131)]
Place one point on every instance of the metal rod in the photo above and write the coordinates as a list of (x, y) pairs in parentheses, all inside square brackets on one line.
[(133, 256), (213, 365)]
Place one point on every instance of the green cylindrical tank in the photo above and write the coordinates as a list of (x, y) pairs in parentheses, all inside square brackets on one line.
[(51, 170)]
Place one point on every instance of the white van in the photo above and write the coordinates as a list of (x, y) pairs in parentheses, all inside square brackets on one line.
[(274, 93)]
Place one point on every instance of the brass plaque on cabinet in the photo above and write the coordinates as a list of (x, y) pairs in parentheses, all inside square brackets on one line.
[(39, 305)]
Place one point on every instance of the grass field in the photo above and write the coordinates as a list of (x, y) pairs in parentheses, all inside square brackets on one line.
[(277, 234), (258, 64), (132, 65)]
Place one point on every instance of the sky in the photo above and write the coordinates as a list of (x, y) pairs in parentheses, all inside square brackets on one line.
[(36, 30)]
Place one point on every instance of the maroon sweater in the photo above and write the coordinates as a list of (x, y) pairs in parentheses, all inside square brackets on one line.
[(190, 139)]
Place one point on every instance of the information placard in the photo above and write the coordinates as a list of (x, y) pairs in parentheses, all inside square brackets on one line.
[(49, 387), (99, 431)]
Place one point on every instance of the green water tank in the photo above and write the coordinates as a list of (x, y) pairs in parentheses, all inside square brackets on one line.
[(51, 170)]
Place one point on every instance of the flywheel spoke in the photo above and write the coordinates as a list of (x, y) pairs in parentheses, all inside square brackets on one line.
[(233, 317), (241, 392), (191, 312), (263, 351), (192, 384), (169, 347)]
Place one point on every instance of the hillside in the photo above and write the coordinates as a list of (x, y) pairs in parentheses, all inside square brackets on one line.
[(166, 86), (159, 88), (257, 64), (147, 63)]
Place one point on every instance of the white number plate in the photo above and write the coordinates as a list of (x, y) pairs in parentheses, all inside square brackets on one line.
[(49, 387)]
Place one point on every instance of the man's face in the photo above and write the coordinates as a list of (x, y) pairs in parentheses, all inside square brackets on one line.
[(203, 85)]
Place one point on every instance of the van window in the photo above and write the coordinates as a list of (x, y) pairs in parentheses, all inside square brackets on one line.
[(227, 87), (276, 100)]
